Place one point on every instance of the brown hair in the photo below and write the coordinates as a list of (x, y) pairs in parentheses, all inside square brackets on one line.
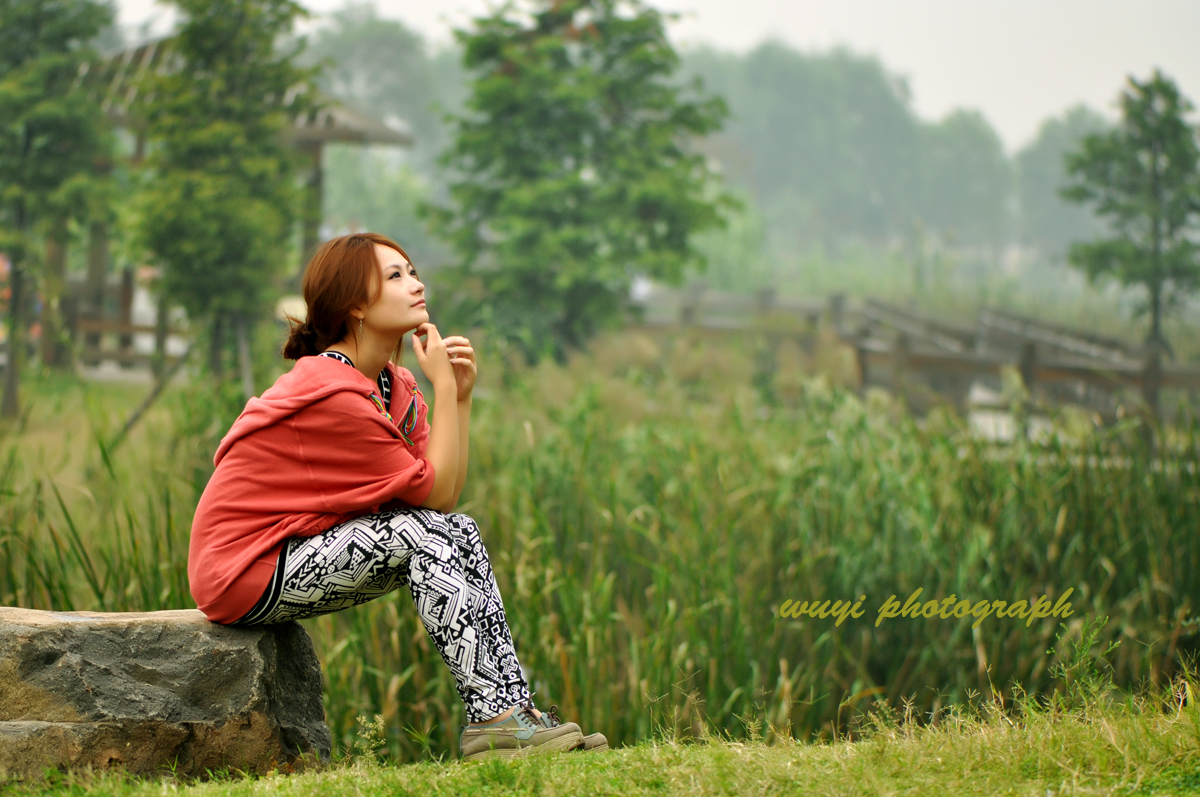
[(342, 275)]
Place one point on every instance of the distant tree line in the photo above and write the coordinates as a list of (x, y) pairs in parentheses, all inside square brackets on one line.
[(560, 154), (826, 148), (832, 140), (826, 145)]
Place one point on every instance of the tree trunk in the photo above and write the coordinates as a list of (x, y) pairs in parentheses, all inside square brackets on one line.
[(217, 345), (243, 346), (161, 330), (97, 272), (10, 404), (1156, 244), (53, 282), (312, 212), (125, 341), (1156, 290)]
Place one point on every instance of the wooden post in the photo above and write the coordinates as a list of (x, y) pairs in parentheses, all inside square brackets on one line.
[(860, 361), (97, 271), (158, 364), (1028, 368), (765, 366), (837, 307), (54, 277), (900, 364), (10, 404), (689, 313), (1152, 378), (126, 340), (764, 299)]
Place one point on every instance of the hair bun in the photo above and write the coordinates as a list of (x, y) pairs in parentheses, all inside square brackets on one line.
[(302, 340)]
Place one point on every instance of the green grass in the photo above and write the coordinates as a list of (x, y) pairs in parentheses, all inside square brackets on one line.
[(1102, 744), (647, 511)]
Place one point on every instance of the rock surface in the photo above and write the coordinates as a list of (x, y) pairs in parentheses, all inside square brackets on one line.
[(156, 691)]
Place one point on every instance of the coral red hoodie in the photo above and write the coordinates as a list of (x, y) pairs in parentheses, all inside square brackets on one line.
[(314, 451)]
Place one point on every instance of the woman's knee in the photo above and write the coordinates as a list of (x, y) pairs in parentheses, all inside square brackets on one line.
[(470, 531)]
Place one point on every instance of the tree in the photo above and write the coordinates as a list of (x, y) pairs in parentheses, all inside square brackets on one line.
[(833, 131), (218, 208), (1142, 178), (574, 170), (385, 67), (50, 134), (368, 190), (1046, 220), (967, 180)]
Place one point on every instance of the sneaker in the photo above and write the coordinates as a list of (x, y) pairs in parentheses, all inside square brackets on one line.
[(593, 741), (519, 735)]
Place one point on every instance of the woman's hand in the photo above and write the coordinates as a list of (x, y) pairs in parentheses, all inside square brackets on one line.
[(462, 358), (432, 355)]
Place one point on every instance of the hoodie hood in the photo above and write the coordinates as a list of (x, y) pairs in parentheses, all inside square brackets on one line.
[(310, 380)]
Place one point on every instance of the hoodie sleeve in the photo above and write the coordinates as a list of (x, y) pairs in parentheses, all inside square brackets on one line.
[(356, 459)]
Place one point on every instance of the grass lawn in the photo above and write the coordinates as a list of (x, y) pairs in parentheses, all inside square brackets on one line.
[(1137, 747)]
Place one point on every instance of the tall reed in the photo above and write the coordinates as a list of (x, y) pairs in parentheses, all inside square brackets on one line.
[(646, 522)]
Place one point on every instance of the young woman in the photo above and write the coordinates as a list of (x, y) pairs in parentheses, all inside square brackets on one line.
[(336, 487)]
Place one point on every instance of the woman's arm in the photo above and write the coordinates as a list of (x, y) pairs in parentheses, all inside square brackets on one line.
[(442, 451), (464, 444), (465, 371)]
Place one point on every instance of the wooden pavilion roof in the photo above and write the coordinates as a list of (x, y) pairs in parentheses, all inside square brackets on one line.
[(118, 78)]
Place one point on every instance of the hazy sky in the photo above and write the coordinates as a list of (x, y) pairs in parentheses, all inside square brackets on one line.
[(1018, 61)]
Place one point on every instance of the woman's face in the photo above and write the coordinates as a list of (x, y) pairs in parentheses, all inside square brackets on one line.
[(401, 303)]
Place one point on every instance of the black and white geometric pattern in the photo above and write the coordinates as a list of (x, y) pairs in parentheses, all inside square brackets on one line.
[(442, 560), (383, 380)]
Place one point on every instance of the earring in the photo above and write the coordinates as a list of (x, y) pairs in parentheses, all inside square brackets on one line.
[(360, 330)]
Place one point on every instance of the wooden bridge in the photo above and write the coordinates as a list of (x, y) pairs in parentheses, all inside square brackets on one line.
[(930, 360)]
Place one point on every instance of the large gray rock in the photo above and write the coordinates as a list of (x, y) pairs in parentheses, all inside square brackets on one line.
[(155, 691)]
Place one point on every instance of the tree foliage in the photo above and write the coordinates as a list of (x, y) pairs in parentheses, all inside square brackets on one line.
[(831, 132), (966, 179), (574, 169), (218, 207), (830, 148), (1142, 177), (367, 189), (51, 134), (1047, 221), (387, 69)]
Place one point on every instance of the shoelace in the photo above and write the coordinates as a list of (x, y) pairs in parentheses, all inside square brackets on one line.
[(527, 712), (549, 718)]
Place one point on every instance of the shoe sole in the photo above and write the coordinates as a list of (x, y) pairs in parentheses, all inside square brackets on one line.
[(568, 741)]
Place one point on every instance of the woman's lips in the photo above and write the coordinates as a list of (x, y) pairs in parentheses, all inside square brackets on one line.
[(420, 303)]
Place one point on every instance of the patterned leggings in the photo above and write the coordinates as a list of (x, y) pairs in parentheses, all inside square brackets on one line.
[(442, 560)]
